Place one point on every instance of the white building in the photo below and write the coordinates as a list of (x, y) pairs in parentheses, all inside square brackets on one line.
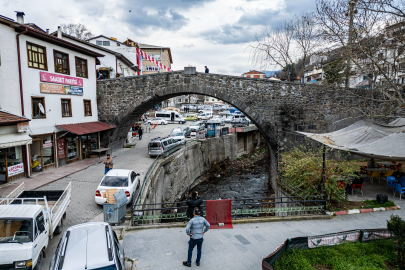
[(52, 83)]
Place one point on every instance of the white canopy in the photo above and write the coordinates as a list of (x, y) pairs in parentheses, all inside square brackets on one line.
[(14, 139), (368, 139)]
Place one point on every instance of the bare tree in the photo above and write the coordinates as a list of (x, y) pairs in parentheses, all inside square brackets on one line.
[(274, 47), (77, 30)]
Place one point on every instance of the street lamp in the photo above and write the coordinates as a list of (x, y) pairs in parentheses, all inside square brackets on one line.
[(123, 69)]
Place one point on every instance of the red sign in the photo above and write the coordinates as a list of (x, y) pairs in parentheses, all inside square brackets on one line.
[(61, 148), (56, 78)]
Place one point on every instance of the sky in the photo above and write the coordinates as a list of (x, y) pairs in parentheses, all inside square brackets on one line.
[(213, 33)]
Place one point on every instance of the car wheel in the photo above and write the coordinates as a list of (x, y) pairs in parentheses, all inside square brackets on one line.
[(59, 229)]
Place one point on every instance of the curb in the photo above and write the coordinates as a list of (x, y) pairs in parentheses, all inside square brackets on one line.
[(361, 211)]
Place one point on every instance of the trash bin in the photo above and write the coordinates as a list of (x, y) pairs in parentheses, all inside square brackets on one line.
[(115, 212)]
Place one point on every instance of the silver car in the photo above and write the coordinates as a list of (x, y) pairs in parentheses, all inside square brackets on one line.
[(197, 126), (88, 246), (158, 146)]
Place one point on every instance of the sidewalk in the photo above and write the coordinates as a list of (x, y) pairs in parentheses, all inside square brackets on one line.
[(47, 177), (243, 247)]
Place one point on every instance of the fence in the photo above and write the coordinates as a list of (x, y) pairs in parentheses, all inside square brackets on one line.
[(324, 240), (241, 208)]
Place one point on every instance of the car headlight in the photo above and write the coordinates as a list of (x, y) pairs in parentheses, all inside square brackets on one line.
[(23, 264)]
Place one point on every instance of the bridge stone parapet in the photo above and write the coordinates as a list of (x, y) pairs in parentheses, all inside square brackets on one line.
[(276, 108)]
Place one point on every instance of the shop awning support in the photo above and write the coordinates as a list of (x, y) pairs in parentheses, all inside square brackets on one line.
[(324, 173)]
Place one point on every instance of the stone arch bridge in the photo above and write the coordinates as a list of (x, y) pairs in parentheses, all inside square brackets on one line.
[(277, 108)]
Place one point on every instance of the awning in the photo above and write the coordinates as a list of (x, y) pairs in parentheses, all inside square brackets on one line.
[(365, 138), (86, 128), (14, 139)]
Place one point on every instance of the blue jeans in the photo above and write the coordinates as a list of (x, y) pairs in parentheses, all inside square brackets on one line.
[(191, 246), (106, 170), (140, 137)]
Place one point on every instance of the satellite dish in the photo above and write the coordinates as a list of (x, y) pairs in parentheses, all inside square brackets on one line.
[(41, 108)]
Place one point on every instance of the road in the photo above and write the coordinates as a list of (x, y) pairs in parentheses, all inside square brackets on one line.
[(82, 207)]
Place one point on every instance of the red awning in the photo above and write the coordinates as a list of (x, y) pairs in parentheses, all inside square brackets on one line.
[(86, 128)]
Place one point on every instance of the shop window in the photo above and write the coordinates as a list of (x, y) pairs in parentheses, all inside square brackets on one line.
[(87, 107), (36, 56), (38, 107), (72, 146), (66, 107), (14, 160), (81, 67), (61, 62), (48, 153)]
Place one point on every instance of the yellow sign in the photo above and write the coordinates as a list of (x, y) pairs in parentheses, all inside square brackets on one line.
[(52, 88)]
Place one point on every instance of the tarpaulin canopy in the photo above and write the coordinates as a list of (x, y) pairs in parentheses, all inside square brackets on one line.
[(365, 138)]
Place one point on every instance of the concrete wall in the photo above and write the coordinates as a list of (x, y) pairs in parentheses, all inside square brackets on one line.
[(174, 174)]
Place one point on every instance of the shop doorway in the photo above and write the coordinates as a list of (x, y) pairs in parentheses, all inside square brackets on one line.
[(89, 143)]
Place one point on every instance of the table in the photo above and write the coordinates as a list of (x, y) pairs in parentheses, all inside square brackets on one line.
[(99, 151), (377, 170), (385, 163)]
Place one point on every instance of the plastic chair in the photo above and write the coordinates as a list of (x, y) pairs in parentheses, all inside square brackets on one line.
[(358, 186), (375, 174), (401, 181), (391, 182), (399, 165), (399, 189), (394, 162)]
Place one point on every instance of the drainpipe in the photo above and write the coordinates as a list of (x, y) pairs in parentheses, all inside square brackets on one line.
[(19, 69)]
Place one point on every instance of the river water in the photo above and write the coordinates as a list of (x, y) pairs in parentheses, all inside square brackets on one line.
[(237, 184)]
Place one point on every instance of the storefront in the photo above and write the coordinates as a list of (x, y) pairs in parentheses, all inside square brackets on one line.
[(14, 143), (42, 152)]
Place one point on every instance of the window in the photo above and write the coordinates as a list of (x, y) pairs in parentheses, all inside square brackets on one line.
[(99, 42), (81, 67), (36, 56), (106, 43), (61, 62), (155, 56), (118, 44), (38, 107), (152, 68), (87, 107), (40, 222), (66, 107)]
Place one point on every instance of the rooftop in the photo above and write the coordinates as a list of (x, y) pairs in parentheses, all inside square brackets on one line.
[(7, 118)]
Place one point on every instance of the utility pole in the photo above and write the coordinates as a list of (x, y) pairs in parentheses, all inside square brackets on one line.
[(352, 4)]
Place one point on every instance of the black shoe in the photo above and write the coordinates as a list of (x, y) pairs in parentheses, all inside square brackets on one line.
[(198, 264), (186, 264)]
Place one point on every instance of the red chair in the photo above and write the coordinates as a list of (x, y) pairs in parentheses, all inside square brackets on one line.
[(399, 165), (394, 162), (358, 186)]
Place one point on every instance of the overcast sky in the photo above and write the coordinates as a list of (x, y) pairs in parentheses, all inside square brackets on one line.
[(215, 33)]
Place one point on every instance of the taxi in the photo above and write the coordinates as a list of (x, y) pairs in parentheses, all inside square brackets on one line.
[(191, 117)]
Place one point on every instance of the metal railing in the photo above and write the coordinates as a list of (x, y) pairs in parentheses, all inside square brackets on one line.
[(14, 194), (241, 208)]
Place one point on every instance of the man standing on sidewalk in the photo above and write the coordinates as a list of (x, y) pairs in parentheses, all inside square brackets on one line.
[(108, 163), (140, 132), (195, 229)]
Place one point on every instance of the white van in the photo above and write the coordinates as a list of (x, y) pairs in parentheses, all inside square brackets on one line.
[(171, 116), (204, 116)]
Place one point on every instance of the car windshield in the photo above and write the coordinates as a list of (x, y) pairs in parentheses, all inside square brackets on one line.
[(15, 230), (195, 124), (176, 133), (154, 144), (115, 181)]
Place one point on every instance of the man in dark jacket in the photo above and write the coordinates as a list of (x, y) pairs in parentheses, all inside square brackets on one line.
[(207, 70), (193, 202)]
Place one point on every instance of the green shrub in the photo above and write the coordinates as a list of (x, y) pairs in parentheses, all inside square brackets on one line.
[(396, 226)]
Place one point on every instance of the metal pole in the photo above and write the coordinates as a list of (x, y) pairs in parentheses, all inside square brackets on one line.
[(324, 174), (352, 4)]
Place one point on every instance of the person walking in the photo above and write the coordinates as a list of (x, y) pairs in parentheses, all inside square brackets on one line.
[(140, 132), (195, 229), (207, 70), (108, 163), (192, 202)]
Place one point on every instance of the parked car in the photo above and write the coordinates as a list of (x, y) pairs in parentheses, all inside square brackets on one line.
[(92, 245), (186, 131), (178, 135), (126, 180), (26, 226), (157, 121), (191, 117), (200, 107), (159, 146), (225, 112), (228, 118), (241, 123), (204, 116), (197, 126), (220, 118)]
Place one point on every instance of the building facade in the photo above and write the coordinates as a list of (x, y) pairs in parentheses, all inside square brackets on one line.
[(254, 74)]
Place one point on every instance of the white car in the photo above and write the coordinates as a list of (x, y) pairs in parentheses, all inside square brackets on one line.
[(126, 180), (178, 135), (157, 121)]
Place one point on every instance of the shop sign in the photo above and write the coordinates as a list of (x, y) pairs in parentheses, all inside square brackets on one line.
[(62, 79), (61, 89), (47, 144), (16, 169), (23, 127), (61, 148)]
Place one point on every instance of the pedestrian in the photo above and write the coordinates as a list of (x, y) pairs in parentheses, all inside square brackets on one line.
[(192, 202), (207, 70), (140, 132), (195, 229), (108, 163)]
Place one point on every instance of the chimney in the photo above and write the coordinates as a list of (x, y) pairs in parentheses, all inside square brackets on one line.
[(20, 17), (59, 32), (47, 31)]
